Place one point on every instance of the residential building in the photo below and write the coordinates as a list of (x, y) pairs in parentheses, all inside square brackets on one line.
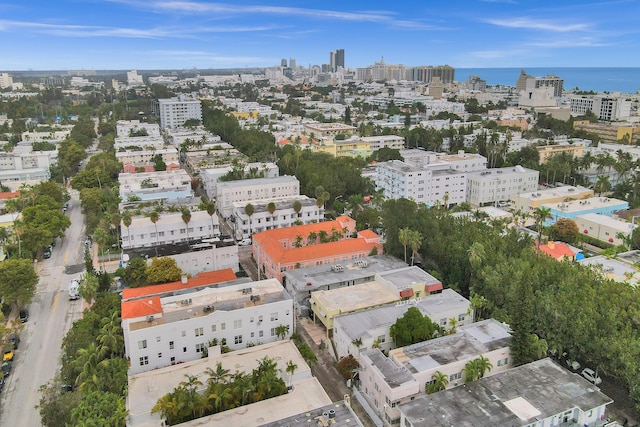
[(558, 250), (164, 331), (282, 249), (283, 216), (338, 413), (169, 156), (215, 155), (301, 282), (538, 98), (389, 382), (621, 132), (623, 268), (572, 209), (306, 395), (606, 108), (329, 129), (23, 165), (164, 185), (605, 228), (371, 328), (613, 149), (124, 128), (526, 82), (336, 59), (358, 147), (252, 190), (170, 228), (123, 143), (175, 112), (531, 200), (210, 177), (494, 185), (547, 151), (401, 284), (134, 79), (5, 80), (541, 393)]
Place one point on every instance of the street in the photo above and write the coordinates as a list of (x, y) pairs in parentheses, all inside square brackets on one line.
[(51, 316)]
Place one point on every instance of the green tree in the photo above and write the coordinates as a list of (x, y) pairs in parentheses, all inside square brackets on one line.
[(211, 210), (88, 288), (291, 369), (101, 410), (404, 236), (55, 405), (186, 218), (540, 215), (439, 382), (249, 209), (415, 241), (154, 216), (565, 230), (163, 270), (18, 281), (271, 207), (282, 331), (136, 272), (412, 327)]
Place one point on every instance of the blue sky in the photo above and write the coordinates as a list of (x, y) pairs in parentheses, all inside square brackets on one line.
[(157, 34)]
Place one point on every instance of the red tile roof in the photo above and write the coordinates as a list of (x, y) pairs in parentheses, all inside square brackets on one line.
[(557, 250), (368, 234), (290, 233), (202, 279), (9, 195), (141, 307), (322, 250)]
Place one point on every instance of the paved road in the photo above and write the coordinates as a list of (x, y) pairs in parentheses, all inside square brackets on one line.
[(51, 315)]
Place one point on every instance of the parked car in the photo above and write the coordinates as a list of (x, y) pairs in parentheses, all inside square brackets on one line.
[(47, 253), (14, 340), (244, 242), (573, 364), (6, 368), (8, 354), (591, 376), (24, 315), (1, 383)]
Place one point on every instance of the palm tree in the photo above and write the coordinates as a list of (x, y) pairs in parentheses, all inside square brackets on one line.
[(281, 331), (249, 209), (87, 360), (483, 365), (404, 236), (291, 369), (186, 218), (297, 207), (211, 210), (311, 239), (154, 216), (602, 185), (541, 215), (110, 335), (470, 371), (439, 382), (115, 222), (271, 207), (126, 221), (415, 240)]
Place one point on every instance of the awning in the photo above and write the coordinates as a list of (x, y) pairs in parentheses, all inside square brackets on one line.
[(433, 288), (406, 293)]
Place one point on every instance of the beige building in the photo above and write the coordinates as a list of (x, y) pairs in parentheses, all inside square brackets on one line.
[(329, 129), (604, 228), (531, 200), (547, 151)]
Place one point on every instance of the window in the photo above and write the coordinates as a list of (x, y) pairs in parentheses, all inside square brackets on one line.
[(173, 360), (274, 317), (252, 334), (171, 346), (251, 319), (184, 349), (159, 355), (273, 332), (199, 332), (237, 339), (144, 360), (503, 362), (460, 317), (260, 334), (223, 326), (237, 324), (184, 333), (142, 344), (381, 338), (199, 348), (158, 339), (213, 328), (455, 376), (443, 322)]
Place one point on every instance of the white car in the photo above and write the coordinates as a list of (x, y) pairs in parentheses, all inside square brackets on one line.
[(591, 376), (244, 242), (573, 364)]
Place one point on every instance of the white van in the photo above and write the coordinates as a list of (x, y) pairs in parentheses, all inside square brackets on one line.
[(244, 242)]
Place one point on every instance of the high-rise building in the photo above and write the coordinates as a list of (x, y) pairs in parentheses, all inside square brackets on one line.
[(292, 63), (445, 72), (175, 112), (283, 62), (5, 80), (134, 79), (527, 82), (336, 59)]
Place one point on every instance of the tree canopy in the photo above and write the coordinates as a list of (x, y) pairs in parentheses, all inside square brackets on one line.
[(18, 281), (413, 327)]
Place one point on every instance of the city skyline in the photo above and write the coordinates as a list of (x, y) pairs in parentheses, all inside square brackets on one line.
[(159, 34)]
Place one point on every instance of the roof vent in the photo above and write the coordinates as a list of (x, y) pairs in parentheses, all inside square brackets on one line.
[(150, 318), (255, 298), (337, 267)]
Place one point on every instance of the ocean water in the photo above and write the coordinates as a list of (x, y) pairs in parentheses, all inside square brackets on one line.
[(620, 79)]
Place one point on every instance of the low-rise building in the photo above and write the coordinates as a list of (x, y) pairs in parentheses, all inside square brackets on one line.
[(545, 152), (163, 331), (624, 132), (359, 146), (282, 249), (169, 228), (329, 129), (558, 250), (169, 156), (125, 128), (537, 394), (284, 215), (164, 185), (355, 333), (494, 185), (623, 268), (531, 200), (251, 190), (211, 177), (605, 228), (389, 382), (574, 208)]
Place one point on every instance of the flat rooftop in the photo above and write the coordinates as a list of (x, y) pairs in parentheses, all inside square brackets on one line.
[(469, 342), (586, 204), (341, 414), (409, 276), (146, 388), (614, 269), (357, 297), (359, 324), (392, 374), (607, 221), (257, 182), (517, 397), (324, 275), (551, 193)]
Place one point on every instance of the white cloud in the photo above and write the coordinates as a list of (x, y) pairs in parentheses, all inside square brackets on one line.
[(533, 24)]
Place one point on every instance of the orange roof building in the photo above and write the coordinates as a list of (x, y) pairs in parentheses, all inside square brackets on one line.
[(202, 279), (282, 249), (558, 250), (141, 307)]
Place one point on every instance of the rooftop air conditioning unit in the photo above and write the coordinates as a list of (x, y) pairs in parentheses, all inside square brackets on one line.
[(255, 298), (150, 318)]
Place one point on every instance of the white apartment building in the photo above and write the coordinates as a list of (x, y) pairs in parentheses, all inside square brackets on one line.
[(461, 161), (538, 97), (161, 331), (134, 79), (399, 179), (371, 327), (154, 142), (25, 166), (170, 228), (494, 185), (394, 142), (179, 135), (613, 148), (538, 394), (210, 177), (169, 156), (125, 127), (604, 107), (168, 185), (56, 134), (251, 190), (283, 216), (175, 112), (387, 382), (5, 80)]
